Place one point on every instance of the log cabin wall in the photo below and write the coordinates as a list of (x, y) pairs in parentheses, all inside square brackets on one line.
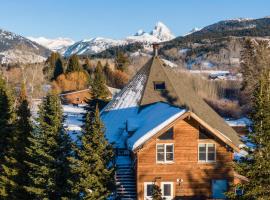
[(197, 177)]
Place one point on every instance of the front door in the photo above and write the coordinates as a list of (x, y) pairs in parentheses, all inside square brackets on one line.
[(219, 187)]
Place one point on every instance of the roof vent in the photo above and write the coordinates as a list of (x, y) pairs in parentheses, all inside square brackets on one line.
[(155, 49)]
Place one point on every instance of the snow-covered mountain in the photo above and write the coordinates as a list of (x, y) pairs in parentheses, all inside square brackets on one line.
[(160, 33), (92, 46), (57, 44), (17, 49)]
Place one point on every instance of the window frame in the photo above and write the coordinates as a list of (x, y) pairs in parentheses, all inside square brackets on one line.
[(145, 190), (162, 189), (206, 153), (165, 153), (159, 82)]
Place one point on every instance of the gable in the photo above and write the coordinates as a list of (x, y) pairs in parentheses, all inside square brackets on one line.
[(211, 132), (158, 86)]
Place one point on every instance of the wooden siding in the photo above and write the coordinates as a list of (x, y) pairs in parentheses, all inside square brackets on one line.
[(196, 176)]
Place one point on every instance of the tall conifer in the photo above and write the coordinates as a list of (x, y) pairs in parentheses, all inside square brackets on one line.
[(255, 165), (50, 148), (93, 162), (7, 118)]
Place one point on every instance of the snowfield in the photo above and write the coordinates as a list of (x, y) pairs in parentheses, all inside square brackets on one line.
[(73, 119)]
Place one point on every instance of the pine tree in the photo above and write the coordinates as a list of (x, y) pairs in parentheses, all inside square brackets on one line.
[(255, 166), (98, 86), (92, 164), (156, 192), (6, 139), (58, 69), (73, 64), (20, 142), (50, 148), (50, 65), (121, 61)]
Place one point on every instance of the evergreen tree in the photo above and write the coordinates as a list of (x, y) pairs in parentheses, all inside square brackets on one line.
[(92, 164), (121, 61), (59, 68), (255, 166), (156, 192), (255, 59), (21, 143), (99, 91), (50, 147), (7, 118), (73, 64), (98, 86), (50, 65)]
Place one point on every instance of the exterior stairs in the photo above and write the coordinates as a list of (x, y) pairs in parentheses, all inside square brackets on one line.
[(125, 179)]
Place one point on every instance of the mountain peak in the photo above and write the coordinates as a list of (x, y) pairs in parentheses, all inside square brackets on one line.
[(162, 32)]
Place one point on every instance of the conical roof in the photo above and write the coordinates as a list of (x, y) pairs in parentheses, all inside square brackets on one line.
[(141, 91)]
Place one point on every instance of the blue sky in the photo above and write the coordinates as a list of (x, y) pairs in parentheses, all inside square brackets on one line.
[(80, 19)]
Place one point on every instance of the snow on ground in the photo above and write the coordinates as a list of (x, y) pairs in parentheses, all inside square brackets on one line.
[(73, 119), (239, 122)]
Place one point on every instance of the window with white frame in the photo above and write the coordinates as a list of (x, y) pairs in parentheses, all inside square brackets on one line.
[(207, 152), (165, 153), (167, 190), (148, 189)]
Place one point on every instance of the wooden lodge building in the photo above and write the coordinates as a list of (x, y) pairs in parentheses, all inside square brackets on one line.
[(81, 96), (165, 134)]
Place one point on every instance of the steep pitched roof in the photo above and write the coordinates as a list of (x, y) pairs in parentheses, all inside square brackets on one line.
[(179, 92)]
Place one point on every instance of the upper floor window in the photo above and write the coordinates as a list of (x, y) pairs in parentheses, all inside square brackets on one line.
[(165, 153), (168, 135), (159, 85), (207, 152)]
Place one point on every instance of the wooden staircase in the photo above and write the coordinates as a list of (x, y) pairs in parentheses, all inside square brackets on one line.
[(125, 178)]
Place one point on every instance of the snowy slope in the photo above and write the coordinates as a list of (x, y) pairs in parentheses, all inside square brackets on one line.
[(160, 33), (18, 49), (58, 44)]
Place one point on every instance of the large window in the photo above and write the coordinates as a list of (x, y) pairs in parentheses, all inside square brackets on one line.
[(148, 189), (165, 153), (167, 190), (207, 152)]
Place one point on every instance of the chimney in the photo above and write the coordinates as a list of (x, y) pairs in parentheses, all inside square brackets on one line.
[(155, 49)]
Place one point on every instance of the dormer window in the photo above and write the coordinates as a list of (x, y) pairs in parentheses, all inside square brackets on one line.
[(159, 85)]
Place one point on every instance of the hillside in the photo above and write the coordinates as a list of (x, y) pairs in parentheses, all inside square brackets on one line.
[(18, 49), (217, 45)]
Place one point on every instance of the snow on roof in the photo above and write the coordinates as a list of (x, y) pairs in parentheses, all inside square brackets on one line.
[(131, 95), (144, 122), (152, 119)]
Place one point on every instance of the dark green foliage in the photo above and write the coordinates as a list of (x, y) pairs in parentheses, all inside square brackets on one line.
[(98, 85), (49, 69), (50, 148), (121, 61), (108, 75), (255, 166), (59, 68), (156, 192), (7, 118), (73, 64), (93, 162)]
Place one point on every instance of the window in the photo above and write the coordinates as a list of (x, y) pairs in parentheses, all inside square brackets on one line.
[(207, 152), (165, 153), (167, 190), (168, 135), (148, 188), (159, 85)]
